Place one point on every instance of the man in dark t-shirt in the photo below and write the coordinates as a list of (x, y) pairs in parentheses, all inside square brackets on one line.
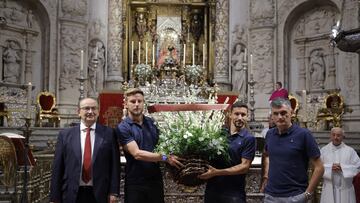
[(288, 150), (138, 135), (226, 180)]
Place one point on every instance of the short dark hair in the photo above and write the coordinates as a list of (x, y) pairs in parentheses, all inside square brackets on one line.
[(279, 83), (133, 91), (279, 102), (239, 104)]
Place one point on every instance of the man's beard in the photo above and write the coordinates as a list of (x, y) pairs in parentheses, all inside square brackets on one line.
[(239, 124)]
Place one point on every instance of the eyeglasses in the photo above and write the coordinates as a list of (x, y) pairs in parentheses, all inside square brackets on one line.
[(88, 108)]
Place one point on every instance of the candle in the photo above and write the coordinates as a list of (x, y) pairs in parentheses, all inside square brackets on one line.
[(184, 55), (139, 52), (251, 63), (82, 60), (304, 98), (193, 53), (132, 52), (96, 52), (146, 53), (245, 55), (29, 100), (203, 55), (153, 55)]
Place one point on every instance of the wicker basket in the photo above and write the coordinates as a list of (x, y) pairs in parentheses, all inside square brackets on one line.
[(188, 174)]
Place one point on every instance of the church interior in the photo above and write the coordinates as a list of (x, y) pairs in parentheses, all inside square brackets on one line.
[(54, 53)]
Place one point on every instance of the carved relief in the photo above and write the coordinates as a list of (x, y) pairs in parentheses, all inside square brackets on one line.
[(141, 22), (317, 69), (72, 40), (96, 29), (262, 12), (319, 20), (115, 29), (221, 41), (96, 67), (238, 73), (12, 62), (263, 52), (74, 8)]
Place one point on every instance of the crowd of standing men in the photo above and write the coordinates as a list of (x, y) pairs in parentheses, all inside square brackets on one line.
[(86, 166)]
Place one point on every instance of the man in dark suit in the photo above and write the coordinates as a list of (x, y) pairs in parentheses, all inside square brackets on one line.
[(86, 167)]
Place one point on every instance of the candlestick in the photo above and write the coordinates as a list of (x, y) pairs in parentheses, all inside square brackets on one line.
[(29, 100), (146, 53), (245, 55), (139, 54), (251, 63), (193, 53), (82, 60), (153, 55), (184, 55), (203, 55), (132, 52)]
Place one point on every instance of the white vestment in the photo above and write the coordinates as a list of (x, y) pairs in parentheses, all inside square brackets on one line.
[(337, 186)]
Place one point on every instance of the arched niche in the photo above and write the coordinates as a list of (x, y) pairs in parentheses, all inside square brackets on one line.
[(308, 59)]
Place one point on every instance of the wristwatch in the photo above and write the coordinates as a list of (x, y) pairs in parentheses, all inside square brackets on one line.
[(164, 157), (308, 195)]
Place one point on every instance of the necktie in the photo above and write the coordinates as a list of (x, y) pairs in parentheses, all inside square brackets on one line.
[(86, 170)]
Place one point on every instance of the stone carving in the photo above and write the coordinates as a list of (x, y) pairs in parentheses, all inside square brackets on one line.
[(262, 12), (69, 72), (263, 51), (96, 28), (115, 30), (262, 9), (12, 62), (238, 75), (72, 40), (221, 71), (319, 20), (96, 67), (317, 69), (141, 23), (29, 18), (14, 15), (74, 8)]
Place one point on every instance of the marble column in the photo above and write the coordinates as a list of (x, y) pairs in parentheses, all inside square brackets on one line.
[(115, 41), (221, 70)]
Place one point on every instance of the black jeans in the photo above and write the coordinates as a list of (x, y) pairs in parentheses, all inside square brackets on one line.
[(149, 192)]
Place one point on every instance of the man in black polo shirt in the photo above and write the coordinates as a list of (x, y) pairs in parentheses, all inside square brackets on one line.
[(288, 150), (227, 181), (138, 135)]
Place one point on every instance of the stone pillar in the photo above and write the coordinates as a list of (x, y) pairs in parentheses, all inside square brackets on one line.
[(115, 41), (221, 69), (73, 39)]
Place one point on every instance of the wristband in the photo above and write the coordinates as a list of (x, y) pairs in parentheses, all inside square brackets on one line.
[(164, 157)]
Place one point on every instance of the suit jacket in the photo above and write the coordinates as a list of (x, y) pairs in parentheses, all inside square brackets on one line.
[(67, 165)]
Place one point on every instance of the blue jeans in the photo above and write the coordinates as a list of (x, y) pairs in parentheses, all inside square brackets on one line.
[(292, 199)]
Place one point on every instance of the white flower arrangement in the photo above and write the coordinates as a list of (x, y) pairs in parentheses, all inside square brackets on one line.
[(143, 71), (193, 72), (193, 133)]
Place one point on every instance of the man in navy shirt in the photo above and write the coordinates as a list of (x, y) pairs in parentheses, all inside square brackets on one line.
[(288, 150), (138, 135), (227, 181)]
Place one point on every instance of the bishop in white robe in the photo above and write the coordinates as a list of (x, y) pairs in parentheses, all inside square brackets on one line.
[(341, 164)]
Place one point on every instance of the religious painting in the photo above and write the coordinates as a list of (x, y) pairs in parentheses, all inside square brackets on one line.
[(168, 30)]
